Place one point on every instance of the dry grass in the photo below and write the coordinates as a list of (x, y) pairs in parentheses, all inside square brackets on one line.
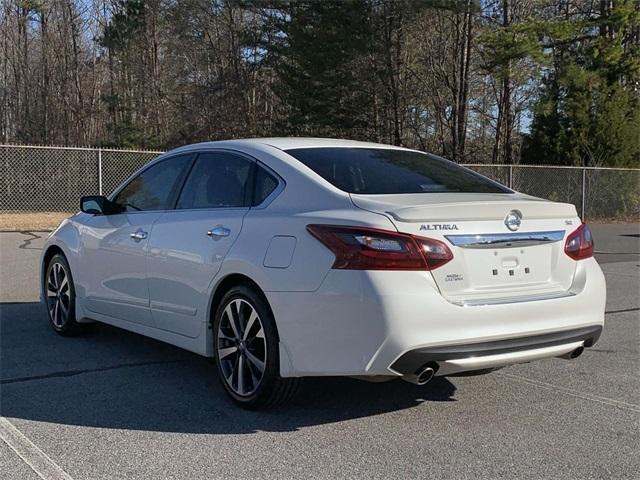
[(30, 221)]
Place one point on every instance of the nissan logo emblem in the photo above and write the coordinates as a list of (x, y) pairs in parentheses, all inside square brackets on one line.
[(513, 220)]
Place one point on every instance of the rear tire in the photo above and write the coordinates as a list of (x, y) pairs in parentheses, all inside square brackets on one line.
[(60, 297), (247, 352)]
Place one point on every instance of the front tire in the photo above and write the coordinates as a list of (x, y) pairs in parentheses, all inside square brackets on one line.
[(60, 297), (247, 352)]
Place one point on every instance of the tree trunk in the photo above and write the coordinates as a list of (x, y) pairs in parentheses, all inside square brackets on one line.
[(504, 123), (45, 75)]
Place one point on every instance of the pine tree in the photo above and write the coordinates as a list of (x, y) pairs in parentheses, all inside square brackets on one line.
[(588, 112), (319, 66)]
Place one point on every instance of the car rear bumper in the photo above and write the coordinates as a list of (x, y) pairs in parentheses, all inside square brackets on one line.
[(453, 358), (386, 322)]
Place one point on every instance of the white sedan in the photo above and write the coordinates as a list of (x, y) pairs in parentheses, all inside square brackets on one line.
[(292, 257)]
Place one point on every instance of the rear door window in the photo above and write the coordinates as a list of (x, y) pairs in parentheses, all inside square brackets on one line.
[(217, 180)]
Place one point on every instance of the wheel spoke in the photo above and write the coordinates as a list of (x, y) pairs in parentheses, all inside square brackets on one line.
[(223, 336), (51, 293), (56, 279), (232, 321), (233, 372), (239, 318), (229, 378), (259, 364), (225, 352), (56, 308), (64, 284), (65, 310), (241, 389), (260, 333), (254, 378), (250, 323)]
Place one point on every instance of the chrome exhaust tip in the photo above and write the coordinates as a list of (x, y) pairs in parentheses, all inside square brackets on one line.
[(423, 375), (573, 354)]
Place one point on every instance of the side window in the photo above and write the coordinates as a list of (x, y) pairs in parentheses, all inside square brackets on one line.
[(154, 188), (265, 184), (217, 180)]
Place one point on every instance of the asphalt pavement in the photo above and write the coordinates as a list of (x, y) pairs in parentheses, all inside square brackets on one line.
[(112, 404)]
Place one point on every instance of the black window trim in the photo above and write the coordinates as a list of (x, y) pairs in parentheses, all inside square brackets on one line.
[(194, 153)]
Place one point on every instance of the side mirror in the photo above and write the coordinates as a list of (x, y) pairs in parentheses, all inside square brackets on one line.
[(98, 205)]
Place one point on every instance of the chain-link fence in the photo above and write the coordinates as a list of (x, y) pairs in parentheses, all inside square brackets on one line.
[(597, 193), (52, 179)]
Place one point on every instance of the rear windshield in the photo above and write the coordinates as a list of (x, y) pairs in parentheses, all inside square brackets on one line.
[(388, 171)]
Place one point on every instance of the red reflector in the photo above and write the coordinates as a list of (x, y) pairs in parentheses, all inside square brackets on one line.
[(360, 248), (579, 244)]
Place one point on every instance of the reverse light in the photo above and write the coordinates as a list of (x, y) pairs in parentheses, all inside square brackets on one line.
[(579, 244), (360, 248)]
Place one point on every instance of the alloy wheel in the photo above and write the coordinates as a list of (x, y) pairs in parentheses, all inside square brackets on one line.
[(242, 347), (58, 295)]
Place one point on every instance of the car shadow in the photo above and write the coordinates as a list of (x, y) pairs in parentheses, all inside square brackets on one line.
[(111, 378)]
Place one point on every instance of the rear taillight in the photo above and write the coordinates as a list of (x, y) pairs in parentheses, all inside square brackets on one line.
[(359, 248), (579, 244)]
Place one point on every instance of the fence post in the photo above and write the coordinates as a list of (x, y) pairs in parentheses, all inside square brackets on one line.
[(511, 176), (584, 188), (99, 171)]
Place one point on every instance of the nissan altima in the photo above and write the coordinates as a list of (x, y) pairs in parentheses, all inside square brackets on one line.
[(291, 257)]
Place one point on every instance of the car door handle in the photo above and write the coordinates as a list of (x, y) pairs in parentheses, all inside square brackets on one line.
[(219, 232), (139, 235)]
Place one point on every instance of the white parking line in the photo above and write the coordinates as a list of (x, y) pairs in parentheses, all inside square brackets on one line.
[(574, 393), (39, 462)]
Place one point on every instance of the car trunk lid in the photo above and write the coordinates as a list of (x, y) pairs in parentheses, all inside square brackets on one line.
[(491, 262)]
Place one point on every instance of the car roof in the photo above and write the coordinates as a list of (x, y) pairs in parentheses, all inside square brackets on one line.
[(287, 143)]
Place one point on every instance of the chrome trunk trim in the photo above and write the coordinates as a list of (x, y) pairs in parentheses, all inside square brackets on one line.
[(505, 240), (508, 300)]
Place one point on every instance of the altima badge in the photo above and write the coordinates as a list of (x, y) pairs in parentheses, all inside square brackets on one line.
[(439, 226), (513, 220)]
